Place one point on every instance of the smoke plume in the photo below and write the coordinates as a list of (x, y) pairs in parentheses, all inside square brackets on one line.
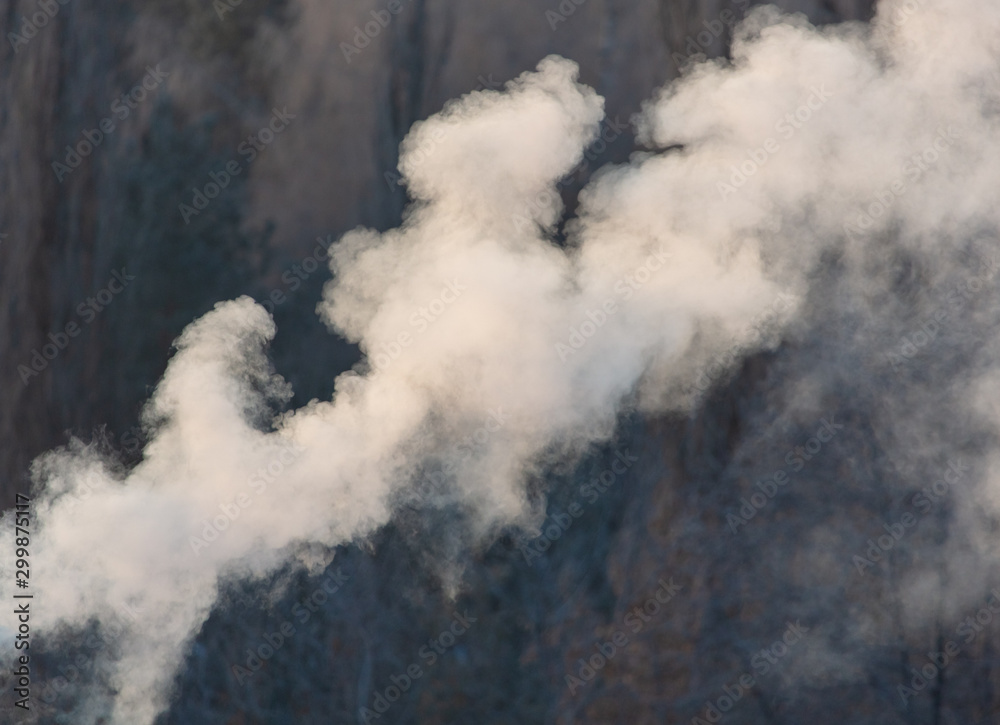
[(858, 153)]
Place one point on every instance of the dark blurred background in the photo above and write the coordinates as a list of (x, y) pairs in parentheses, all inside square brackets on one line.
[(333, 167)]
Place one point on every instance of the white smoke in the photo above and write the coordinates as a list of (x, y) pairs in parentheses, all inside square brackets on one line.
[(471, 317)]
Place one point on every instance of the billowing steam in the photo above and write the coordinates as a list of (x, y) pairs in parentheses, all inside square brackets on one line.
[(489, 348)]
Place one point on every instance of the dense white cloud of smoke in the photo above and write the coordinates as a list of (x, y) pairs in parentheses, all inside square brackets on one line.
[(844, 141)]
